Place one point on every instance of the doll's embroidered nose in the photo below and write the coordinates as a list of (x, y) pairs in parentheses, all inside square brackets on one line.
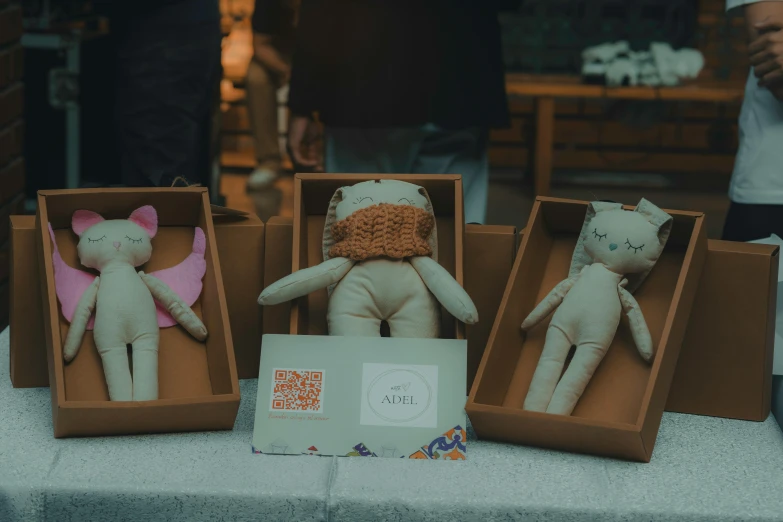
[(117, 245), (612, 246)]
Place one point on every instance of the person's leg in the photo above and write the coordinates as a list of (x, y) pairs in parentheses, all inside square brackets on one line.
[(461, 152), (165, 87), (748, 222), (261, 95)]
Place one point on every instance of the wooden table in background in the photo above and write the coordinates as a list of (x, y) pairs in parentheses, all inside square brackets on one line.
[(546, 89)]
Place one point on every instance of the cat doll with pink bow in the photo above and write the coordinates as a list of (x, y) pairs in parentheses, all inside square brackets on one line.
[(124, 307)]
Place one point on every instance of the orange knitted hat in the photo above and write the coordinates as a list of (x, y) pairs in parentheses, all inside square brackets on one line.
[(383, 230)]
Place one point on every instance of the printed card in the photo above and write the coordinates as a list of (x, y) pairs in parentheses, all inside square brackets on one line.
[(366, 397)]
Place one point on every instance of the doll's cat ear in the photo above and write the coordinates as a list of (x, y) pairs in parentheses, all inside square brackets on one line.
[(84, 219), (331, 218), (602, 206), (657, 217), (426, 196), (433, 240), (147, 218)]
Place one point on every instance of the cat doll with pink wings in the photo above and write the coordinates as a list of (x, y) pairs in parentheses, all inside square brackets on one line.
[(122, 306)]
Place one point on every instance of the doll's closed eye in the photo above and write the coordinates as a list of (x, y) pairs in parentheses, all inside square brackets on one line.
[(405, 199), (632, 247), (599, 236), (96, 240), (360, 199), (132, 240)]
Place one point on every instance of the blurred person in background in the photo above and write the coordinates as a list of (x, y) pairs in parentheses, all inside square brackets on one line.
[(756, 189), (274, 22), (405, 86), (168, 77)]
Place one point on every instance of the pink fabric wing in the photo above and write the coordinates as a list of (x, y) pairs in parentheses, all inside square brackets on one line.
[(70, 283), (185, 278)]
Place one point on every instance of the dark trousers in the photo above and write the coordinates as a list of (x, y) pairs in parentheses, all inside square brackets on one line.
[(748, 222), (168, 78)]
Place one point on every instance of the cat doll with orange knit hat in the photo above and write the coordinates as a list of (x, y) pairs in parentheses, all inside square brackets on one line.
[(380, 250)]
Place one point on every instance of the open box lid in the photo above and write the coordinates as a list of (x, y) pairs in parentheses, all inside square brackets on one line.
[(773, 240), (777, 364)]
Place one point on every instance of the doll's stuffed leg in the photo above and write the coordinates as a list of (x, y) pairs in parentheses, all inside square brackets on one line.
[(117, 372), (349, 325), (419, 318), (352, 312), (586, 359), (548, 371), (145, 367)]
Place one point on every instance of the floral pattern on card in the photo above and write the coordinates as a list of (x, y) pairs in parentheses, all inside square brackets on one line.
[(360, 450), (449, 446)]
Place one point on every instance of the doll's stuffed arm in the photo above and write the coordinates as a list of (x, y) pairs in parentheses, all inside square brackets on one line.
[(305, 281), (81, 316), (549, 303), (639, 330), (445, 288), (175, 306)]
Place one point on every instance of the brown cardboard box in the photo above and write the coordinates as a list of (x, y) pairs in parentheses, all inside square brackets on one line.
[(28, 343), (240, 242), (198, 386), (725, 364), (312, 194), (621, 409), (489, 256), (277, 265)]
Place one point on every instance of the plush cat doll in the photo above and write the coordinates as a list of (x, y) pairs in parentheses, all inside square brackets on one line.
[(380, 264), (122, 306), (616, 251)]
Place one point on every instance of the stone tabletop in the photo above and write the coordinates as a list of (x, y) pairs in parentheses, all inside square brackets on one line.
[(703, 468)]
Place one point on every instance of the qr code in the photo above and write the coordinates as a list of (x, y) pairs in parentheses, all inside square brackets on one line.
[(298, 390)]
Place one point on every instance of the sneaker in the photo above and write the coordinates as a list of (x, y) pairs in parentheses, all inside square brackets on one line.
[(261, 178)]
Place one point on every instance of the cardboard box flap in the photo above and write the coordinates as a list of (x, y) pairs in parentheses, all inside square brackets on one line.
[(225, 211), (776, 241), (777, 362)]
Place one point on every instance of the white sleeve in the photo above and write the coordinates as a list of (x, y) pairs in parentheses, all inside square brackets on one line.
[(731, 4)]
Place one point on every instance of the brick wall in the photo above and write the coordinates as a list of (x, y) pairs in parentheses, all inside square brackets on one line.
[(12, 176)]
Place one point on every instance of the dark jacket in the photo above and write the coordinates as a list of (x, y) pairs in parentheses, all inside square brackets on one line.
[(276, 18), (396, 63), (159, 12)]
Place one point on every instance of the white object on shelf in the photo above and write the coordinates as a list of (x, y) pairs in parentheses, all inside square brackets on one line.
[(660, 65), (606, 52)]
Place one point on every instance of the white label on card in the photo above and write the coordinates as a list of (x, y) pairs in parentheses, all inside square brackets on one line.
[(399, 395)]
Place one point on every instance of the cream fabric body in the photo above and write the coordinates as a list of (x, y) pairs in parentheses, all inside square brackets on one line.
[(383, 290), (406, 293), (124, 308), (125, 314), (587, 318), (588, 304)]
